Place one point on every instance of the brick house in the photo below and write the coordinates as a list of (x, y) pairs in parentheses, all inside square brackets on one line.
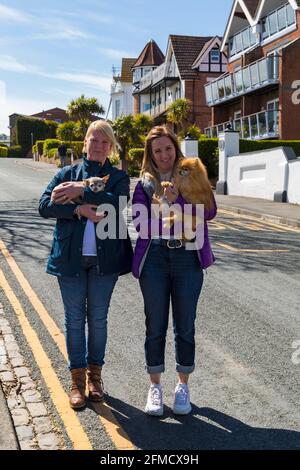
[(259, 96), (190, 61)]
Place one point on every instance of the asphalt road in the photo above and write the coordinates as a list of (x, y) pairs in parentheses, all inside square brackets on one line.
[(245, 389)]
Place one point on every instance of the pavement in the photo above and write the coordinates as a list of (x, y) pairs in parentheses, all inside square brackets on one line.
[(280, 213)]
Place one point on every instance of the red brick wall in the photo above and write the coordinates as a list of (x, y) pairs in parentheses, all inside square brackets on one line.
[(194, 91), (136, 104), (289, 120)]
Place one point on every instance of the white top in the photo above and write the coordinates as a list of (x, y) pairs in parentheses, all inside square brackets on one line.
[(89, 247)]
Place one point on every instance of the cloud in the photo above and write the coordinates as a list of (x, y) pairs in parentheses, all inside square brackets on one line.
[(11, 64), (97, 81), (114, 53), (67, 33), (11, 14)]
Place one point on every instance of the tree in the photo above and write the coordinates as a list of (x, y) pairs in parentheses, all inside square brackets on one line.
[(82, 108), (69, 131), (178, 112), (66, 131), (142, 123)]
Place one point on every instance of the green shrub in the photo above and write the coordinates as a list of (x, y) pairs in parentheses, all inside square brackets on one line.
[(50, 144), (208, 152), (3, 152), (52, 153), (256, 145), (114, 159), (76, 146), (135, 158), (29, 127), (4, 145), (16, 151)]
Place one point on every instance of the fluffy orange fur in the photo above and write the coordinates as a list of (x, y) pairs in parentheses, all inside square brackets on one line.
[(192, 182)]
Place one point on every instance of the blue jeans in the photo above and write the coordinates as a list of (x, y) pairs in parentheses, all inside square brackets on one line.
[(174, 274), (86, 298)]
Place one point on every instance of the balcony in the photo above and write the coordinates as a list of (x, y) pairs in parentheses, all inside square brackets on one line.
[(277, 22), (263, 125), (145, 81), (158, 109), (259, 74), (156, 76)]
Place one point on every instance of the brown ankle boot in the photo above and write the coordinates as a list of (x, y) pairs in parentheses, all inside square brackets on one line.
[(95, 384), (77, 395)]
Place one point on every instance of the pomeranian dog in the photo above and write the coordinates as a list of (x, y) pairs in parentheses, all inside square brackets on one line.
[(192, 183)]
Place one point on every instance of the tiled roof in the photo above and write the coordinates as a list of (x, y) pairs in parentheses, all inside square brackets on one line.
[(150, 55), (126, 73), (186, 50)]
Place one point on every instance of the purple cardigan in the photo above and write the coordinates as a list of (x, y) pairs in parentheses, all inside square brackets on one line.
[(205, 254)]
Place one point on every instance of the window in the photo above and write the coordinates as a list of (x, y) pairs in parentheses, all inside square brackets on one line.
[(291, 15), (146, 106), (273, 23), (215, 56), (237, 114), (117, 108)]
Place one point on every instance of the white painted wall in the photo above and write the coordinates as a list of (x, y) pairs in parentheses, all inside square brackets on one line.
[(294, 182), (124, 94), (257, 174), (261, 174)]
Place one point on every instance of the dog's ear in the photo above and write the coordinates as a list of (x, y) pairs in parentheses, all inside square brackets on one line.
[(105, 179), (86, 182)]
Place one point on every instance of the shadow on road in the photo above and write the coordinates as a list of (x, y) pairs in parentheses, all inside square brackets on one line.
[(203, 429)]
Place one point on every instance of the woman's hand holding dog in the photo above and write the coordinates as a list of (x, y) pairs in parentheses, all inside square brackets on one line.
[(89, 211), (171, 193), (66, 192)]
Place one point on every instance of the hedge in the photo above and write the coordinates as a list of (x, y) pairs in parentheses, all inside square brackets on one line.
[(25, 126), (50, 144), (3, 152), (256, 145), (209, 152), (15, 151)]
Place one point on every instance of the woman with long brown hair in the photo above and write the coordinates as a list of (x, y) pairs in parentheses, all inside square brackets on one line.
[(168, 271)]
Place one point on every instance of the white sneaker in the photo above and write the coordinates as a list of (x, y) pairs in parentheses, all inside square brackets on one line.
[(154, 404), (182, 404)]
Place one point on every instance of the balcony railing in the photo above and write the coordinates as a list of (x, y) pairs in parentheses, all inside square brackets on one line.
[(146, 81), (257, 75), (275, 22), (155, 76), (159, 108), (263, 125)]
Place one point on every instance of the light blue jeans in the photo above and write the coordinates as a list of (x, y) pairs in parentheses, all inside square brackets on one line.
[(86, 299)]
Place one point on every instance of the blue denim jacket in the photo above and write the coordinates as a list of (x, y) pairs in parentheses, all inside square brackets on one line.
[(114, 256)]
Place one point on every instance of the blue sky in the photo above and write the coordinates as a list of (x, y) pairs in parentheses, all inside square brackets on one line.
[(53, 51)]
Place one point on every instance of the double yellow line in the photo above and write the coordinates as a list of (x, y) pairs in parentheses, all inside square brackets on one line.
[(60, 399)]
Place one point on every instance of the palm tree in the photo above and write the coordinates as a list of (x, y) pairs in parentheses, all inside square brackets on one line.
[(178, 112), (82, 108)]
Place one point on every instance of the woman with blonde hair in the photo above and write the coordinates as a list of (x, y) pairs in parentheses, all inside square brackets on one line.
[(167, 270), (87, 266)]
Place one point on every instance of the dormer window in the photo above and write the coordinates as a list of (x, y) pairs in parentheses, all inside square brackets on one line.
[(215, 56)]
